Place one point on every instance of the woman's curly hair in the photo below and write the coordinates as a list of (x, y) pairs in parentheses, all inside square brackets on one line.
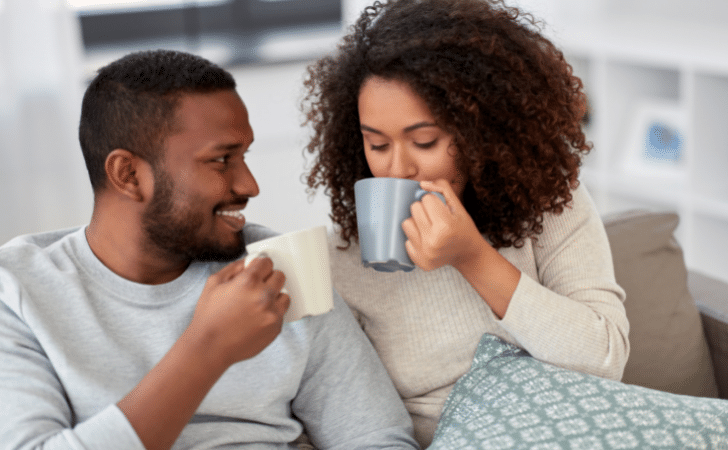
[(504, 92)]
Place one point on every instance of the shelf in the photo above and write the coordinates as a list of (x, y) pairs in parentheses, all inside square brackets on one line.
[(662, 189), (651, 78), (650, 40), (708, 246), (710, 124), (708, 206)]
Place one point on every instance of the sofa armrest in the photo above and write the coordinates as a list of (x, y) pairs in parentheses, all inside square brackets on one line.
[(711, 298)]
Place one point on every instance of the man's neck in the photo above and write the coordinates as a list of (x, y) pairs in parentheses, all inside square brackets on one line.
[(121, 250)]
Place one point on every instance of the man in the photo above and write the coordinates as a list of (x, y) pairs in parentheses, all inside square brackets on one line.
[(132, 333)]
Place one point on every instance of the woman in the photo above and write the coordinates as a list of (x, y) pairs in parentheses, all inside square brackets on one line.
[(468, 98)]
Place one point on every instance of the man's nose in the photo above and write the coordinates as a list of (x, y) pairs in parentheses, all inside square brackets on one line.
[(243, 182)]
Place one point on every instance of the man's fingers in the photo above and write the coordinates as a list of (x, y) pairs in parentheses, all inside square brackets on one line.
[(259, 269), (276, 280), (281, 304), (229, 271), (260, 264), (281, 300), (259, 272)]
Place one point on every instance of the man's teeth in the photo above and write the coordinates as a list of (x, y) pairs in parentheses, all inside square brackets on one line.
[(237, 214)]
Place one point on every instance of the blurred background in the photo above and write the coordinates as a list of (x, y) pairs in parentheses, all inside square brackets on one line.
[(655, 71)]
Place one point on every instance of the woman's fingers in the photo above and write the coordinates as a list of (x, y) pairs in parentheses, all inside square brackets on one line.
[(445, 189), (438, 233)]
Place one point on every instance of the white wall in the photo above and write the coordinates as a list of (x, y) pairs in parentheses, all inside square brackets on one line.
[(43, 184), (272, 95), (43, 181)]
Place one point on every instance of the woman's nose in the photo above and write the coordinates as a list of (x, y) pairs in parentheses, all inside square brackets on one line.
[(402, 164)]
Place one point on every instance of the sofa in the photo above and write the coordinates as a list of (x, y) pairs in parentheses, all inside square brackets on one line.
[(678, 333), (678, 317), (509, 400)]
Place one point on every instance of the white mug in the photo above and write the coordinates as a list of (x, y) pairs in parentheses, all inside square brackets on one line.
[(303, 257)]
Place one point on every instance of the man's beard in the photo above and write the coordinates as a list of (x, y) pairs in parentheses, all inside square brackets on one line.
[(172, 229)]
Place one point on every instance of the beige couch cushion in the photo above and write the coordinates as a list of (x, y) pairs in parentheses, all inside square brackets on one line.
[(668, 348)]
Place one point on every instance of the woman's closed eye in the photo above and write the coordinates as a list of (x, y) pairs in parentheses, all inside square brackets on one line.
[(426, 145), (422, 145)]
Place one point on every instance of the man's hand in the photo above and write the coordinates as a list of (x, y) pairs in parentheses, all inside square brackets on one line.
[(240, 312), (241, 309)]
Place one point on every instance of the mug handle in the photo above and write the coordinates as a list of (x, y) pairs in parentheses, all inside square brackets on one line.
[(421, 193)]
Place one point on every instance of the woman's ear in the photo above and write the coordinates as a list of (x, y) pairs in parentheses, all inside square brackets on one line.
[(127, 174)]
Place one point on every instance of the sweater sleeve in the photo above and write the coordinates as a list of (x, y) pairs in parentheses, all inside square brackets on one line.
[(573, 315), (34, 411), (346, 400)]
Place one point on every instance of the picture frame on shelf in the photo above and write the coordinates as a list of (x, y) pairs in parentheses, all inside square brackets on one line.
[(657, 145)]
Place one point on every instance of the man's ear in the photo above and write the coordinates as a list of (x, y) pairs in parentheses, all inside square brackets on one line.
[(128, 174)]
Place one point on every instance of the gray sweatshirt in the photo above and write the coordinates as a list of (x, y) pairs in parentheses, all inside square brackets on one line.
[(75, 338)]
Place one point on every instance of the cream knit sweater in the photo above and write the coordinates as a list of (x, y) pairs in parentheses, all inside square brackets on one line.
[(567, 310)]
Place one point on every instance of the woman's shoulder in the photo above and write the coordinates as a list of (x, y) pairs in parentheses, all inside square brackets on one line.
[(345, 256), (581, 197), (579, 218), (581, 208)]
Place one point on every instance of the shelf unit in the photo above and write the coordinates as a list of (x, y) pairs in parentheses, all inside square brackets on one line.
[(679, 66)]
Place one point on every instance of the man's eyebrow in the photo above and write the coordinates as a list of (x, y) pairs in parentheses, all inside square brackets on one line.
[(229, 147), (406, 130)]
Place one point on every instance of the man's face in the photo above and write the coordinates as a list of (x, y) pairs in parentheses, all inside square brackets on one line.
[(202, 182)]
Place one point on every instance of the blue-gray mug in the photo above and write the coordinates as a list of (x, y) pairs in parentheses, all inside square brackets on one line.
[(382, 204)]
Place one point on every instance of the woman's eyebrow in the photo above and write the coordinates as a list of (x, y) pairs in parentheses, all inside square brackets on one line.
[(407, 129), (369, 129), (419, 125)]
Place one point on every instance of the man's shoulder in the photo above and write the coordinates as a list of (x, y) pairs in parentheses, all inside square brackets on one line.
[(31, 260), (256, 232), (35, 243)]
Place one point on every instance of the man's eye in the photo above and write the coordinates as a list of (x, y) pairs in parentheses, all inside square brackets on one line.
[(222, 159)]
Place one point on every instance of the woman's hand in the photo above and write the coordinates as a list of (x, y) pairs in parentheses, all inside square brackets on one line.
[(439, 234)]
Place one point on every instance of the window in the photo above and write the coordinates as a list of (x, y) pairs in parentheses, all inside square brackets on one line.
[(225, 31)]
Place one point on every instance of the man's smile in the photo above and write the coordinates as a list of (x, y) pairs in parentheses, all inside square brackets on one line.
[(233, 217)]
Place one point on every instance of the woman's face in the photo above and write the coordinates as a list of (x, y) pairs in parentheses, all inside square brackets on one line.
[(401, 138)]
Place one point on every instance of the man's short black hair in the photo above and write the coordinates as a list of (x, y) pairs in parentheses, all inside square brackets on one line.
[(131, 102)]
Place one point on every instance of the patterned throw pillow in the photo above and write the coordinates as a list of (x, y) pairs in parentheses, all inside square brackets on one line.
[(509, 400)]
